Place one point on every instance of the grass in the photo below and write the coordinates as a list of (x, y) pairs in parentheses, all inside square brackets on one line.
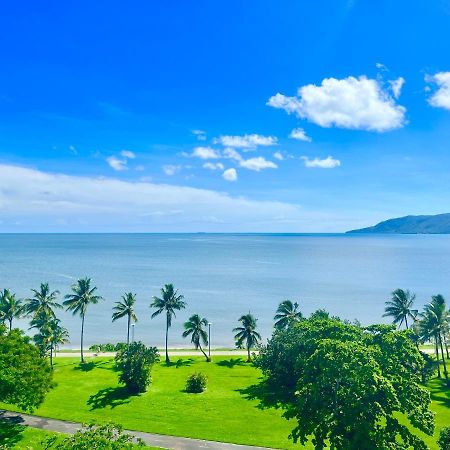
[(15, 436), (222, 413)]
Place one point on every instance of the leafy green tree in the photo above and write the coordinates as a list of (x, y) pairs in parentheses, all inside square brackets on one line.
[(169, 302), (287, 314), (10, 307), (135, 363), (194, 328), (400, 307), (247, 334), (320, 314), (444, 439), (196, 383), (25, 377), (42, 301), (99, 437), (83, 295), (346, 386), (125, 308)]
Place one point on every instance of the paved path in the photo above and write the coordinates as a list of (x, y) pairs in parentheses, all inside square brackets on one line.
[(161, 352), (155, 440)]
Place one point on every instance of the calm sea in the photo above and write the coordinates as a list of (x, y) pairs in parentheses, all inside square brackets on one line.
[(223, 276)]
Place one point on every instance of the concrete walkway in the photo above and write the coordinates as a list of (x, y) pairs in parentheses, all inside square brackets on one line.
[(155, 440), (174, 353)]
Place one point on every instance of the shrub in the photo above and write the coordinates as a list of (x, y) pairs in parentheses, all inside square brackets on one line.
[(196, 383), (444, 439), (108, 347), (135, 363)]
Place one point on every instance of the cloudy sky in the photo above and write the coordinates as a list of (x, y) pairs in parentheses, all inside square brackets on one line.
[(178, 116)]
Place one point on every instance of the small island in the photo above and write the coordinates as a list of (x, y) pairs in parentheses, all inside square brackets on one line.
[(432, 224)]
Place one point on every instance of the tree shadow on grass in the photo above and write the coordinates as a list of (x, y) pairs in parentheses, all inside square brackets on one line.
[(180, 362), (10, 430), (439, 393), (264, 393), (230, 363), (111, 397), (91, 365)]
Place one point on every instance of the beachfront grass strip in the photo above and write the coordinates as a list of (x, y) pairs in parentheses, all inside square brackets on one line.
[(222, 413)]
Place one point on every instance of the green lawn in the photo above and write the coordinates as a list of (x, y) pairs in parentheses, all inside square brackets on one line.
[(20, 437), (222, 413)]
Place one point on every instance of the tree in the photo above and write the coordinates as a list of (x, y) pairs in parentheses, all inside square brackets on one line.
[(247, 333), (287, 314), (169, 302), (126, 308), (43, 300), (346, 386), (194, 328), (82, 295), (400, 307), (10, 307), (25, 376), (135, 363), (444, 439)]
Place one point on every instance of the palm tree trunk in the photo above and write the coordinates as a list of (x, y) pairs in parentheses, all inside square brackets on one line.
[(51, 356), (128, 330), (406, 322), (443, 360), (167, 339), (82, 335), (201, 349), (10, 324), (248, 353), (437, 356)]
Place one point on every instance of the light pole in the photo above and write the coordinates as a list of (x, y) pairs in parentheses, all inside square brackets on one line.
[(209, 341), (132, 332)]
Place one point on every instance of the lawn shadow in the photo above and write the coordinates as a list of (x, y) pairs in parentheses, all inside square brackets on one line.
[(10, 430), (180, 362), (90, 365), (439, 393), (230, 363), (267, 396), (111, 397)]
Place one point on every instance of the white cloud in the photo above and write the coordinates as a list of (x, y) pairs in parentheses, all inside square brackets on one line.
[(257, 164), (230, 175), (170, 169), (353, 103), (300, 135), (213, 166), (279, 156), (116, 163), (199, 134), (326, 163), (396, 86), (205, 153), (231, 153), (73, 150), (128, 154), (441, 97), (246, 142)]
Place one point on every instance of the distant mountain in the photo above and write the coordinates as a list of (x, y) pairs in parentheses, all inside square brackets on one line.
[(438, 224)]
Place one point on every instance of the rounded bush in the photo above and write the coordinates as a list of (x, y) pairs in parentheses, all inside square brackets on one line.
[(196, 383), (444, 439)]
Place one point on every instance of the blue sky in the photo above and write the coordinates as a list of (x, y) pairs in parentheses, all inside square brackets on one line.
[(164, 116)]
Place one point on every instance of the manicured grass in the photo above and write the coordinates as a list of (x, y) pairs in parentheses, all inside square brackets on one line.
[(222, 413), (20, 437)]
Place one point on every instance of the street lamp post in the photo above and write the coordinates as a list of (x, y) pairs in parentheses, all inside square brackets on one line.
[(209, 340), (132, 332)]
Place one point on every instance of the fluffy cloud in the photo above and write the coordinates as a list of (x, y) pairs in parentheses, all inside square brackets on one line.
[(230, 174), (353, 103), (128, 154), (231, 153), (326, 163), (205, 153), (171, 169), (441, 97), (246, 142), (279, 156), (199, 134), (300, 135), (257, 164), (396, 86), (213, 166), (120, 164)]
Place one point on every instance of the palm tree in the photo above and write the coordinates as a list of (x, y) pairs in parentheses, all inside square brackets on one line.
[(400, 307), (169, 302), (247, 333), (10, 307), (287, 314), (126, 308), (57, 335), (43, 300), (82, 295), (194, 328)]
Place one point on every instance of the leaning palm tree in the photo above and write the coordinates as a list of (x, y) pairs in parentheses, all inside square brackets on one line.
[(82, 295), (42, 300), (169, 302), (194, 328), (57, 335), (287, 314), (400, 307), (247, 333), (10, 307), (126, 308)]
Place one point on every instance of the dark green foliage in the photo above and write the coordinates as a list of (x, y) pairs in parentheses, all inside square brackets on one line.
[(346, 385), (108, 347), (287, 314), (444, 439), (126, 308), (196, 383), (246, 334), (194, 328), (98, 437), (400, 307), (135, 363), (25, 376), (11, 308)]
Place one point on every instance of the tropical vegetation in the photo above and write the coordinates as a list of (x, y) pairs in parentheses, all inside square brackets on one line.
[(126, 308), (194, 327), (246, 334)]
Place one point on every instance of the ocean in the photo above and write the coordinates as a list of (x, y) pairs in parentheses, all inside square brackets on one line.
[(223, 276)]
